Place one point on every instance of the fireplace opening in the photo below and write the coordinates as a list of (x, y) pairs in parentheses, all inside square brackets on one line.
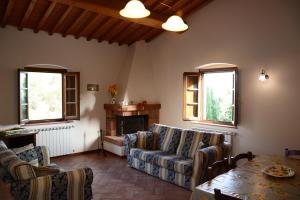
[(131, 124)]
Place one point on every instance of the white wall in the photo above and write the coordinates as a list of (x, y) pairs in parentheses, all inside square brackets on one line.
[(251, 34), (97, 62), (136, 76)]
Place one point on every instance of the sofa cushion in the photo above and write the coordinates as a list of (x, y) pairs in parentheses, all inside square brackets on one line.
[(175, 163), (169, 137), (144, 155), (28, 154), (190, 141)]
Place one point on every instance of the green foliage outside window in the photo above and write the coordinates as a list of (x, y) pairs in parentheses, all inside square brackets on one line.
[(218, 109)]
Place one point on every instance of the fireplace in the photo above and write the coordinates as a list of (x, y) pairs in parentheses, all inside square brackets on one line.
[(138, 116), (131, 124), (121, 120)]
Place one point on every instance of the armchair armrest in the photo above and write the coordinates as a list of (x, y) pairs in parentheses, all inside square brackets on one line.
[(130, 142), (76, 184), (204, 158)]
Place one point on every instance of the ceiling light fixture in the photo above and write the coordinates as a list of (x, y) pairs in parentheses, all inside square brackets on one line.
[(134, 9), (175, 24), (263, 76)]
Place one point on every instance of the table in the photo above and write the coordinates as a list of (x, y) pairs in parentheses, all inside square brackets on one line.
[(248, 182), (20, 139)]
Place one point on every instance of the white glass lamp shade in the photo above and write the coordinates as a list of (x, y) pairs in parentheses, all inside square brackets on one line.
[(175, 24), (134, 9)]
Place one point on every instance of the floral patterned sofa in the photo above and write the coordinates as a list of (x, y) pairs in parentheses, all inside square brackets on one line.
[(31, 176), (175, 155)]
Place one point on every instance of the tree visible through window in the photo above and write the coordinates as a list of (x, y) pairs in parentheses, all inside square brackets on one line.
[(47, 95), (210, 96)]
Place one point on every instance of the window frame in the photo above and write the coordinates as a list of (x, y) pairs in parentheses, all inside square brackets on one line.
[(77, 88), (64, 117), (200, 119)]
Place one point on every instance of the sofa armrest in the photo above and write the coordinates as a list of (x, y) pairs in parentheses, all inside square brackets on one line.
[(45, 171), (130, 142), (204, 158), (43, 155), (76, 184)]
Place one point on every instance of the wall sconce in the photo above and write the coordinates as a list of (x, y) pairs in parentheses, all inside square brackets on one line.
[(263, 76), (93, 87)]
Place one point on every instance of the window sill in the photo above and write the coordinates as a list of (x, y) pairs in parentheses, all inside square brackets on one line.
[(47, 123), (213, 124)]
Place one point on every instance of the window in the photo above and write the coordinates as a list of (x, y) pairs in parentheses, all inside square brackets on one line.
[(48, 95), (210, 96)]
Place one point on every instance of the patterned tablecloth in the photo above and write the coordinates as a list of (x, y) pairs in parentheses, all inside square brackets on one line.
[(248, 182)]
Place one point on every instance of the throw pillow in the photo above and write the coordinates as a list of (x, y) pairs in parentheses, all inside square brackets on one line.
[(144, 140), (28, 154)]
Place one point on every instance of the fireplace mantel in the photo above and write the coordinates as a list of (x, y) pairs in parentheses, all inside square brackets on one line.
[(113, 110)]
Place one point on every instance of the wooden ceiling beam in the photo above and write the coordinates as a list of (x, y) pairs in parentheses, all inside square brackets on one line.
[(149, 3), (61, 20), (137, 35), (107, 30), (152, 34), (172, 9), (186, 10), (8, 11), (179, 5), (96, 29), (75, 23), (88, 27), (154, 5), (114, 36), (45, 17), (193, 6), (27, 14), (111, 9), (122, 39), (115, 30)]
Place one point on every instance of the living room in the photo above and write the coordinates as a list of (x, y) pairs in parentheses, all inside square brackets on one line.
[(252, 38)]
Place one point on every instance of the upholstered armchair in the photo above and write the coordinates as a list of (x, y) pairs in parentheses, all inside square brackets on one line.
[(32, 176)]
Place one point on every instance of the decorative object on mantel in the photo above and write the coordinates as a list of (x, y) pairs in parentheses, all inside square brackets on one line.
[(92, 87), (124, 103), (113, 93)]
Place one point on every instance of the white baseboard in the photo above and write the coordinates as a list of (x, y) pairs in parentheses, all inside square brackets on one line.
[(118, 150)]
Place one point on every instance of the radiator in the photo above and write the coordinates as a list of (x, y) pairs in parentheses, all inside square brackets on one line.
[(56, 138)]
